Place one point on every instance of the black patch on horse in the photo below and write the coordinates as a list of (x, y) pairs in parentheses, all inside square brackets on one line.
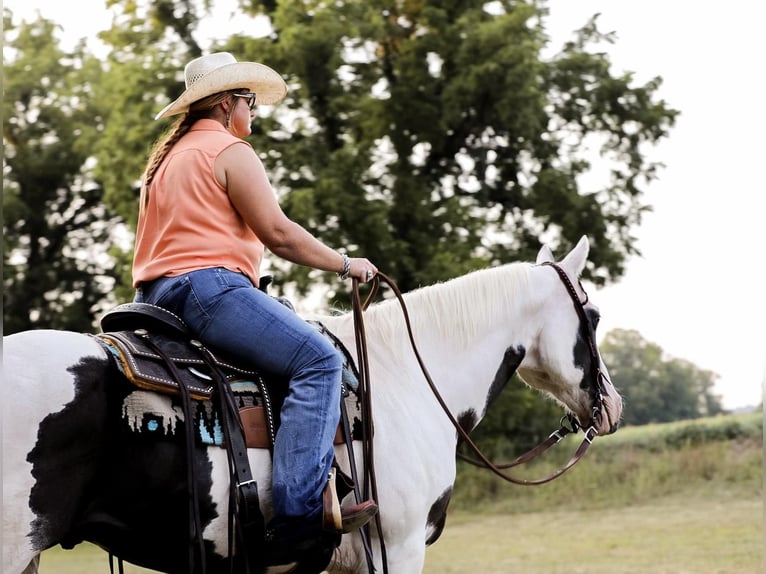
[(437, 516), (511, 360), (63, 468)]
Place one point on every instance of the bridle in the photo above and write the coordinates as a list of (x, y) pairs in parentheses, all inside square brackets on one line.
[(568, 425), (597, 377)]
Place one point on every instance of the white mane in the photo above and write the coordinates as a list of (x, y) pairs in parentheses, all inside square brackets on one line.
[(459, 308)]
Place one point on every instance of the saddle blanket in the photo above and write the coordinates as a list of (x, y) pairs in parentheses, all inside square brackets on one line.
[(154, 409)]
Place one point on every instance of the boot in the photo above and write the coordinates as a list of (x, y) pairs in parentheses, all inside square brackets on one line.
[(348, 519)]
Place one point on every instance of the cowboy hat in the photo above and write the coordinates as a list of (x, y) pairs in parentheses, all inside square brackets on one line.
[(221, 72)]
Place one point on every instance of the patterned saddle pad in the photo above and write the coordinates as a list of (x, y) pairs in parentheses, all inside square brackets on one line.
[(155, 408)]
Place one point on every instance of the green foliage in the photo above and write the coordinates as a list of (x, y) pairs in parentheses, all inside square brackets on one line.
[(656, 388), (431, 137), (633, 466), (56, 225), (518, 419), (418, 133), (677, 435)]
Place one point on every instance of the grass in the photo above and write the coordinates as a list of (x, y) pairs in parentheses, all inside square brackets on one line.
[(681, 498), (83, 559), (681, 535), (672, 536), (637, 465)]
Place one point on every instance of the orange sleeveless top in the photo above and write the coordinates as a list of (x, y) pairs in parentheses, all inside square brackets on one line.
[(189, 222)]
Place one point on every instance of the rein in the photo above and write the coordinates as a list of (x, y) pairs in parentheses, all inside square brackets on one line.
[(555, 437), (368, 460)]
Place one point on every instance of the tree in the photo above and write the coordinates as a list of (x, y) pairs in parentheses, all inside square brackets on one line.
[(517, 420), (656, 387), (57, 229), (430, 136)]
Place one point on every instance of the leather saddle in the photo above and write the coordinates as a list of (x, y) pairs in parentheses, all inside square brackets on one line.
[(156, 351), (143, 338)]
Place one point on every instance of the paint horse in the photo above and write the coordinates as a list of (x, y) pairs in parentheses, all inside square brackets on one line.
[(472, 333)]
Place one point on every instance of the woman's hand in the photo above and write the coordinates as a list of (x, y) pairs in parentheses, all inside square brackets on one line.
[(362, 269)]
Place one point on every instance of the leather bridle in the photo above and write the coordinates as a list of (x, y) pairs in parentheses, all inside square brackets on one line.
[(597, 377), (569, 424)]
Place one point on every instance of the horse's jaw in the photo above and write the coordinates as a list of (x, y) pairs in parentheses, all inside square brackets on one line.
[(578, 400), (573, 398)]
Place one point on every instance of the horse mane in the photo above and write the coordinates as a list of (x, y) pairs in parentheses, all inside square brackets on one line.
[(474, 302)]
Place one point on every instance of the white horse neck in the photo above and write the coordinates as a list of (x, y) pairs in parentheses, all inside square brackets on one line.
[(462, 329)]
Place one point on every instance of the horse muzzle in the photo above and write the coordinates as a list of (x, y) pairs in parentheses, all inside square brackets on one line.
[(608, 413)]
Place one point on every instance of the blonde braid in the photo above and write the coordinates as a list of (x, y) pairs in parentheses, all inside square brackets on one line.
[(158, 153)]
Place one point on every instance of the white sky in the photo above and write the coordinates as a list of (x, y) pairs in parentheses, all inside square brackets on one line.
[(696, 291)]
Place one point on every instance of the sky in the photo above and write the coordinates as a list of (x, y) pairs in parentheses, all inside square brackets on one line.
[(696, 290)]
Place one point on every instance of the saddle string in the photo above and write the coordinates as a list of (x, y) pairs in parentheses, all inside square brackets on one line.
[(484, 462), (244, 507), (195, 521), (368, 427), (244, 517)]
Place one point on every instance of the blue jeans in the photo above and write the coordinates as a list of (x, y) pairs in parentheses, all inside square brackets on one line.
[(226, 311)]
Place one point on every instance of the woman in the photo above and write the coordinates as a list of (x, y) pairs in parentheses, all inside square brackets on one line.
[(207, 212)]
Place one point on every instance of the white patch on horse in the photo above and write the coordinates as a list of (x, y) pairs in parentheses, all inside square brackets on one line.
[(260, 463), (38, 378), (140, 403)]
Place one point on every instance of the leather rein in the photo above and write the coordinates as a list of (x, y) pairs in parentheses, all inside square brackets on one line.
[(569, 423)]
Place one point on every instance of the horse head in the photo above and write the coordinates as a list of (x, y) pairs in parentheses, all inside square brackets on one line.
[(565, 361)]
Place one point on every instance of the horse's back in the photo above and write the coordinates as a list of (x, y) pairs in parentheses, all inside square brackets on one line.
[(44, 371), (46, 350)]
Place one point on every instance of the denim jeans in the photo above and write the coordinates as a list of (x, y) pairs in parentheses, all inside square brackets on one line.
[(226, 311)]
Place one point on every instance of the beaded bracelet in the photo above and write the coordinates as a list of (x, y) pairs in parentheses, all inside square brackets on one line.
[(346, 267)]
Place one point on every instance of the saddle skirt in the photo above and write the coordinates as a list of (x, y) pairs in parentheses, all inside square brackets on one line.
[(134, 332)]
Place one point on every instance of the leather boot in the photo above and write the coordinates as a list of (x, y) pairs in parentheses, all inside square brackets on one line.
[(348, 519)]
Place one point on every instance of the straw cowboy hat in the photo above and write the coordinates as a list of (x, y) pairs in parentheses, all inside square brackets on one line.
[(221, 72)]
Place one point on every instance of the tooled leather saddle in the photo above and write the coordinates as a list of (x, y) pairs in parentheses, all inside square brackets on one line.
[(144, 337), (156, 351)]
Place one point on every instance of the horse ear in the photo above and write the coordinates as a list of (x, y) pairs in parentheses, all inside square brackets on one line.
[(575, 260), (545, 254)]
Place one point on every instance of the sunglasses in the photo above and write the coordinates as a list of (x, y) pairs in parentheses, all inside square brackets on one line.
[(250, 99)]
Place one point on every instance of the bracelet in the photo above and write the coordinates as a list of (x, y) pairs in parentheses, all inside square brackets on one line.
[(346, 267)]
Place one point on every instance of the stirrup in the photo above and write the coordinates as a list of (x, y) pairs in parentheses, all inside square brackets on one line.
[(337, 519)]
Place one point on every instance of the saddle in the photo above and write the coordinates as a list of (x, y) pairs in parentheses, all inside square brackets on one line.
[(139, 334), (155, 351)]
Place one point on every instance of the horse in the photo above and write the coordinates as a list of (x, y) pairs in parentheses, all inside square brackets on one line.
[(472, 333)]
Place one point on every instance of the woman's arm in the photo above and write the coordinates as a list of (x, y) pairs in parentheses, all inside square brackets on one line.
[(241, 172)]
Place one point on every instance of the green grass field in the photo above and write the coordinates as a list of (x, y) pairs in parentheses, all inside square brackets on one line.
[(683, 498), (672, 536)]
